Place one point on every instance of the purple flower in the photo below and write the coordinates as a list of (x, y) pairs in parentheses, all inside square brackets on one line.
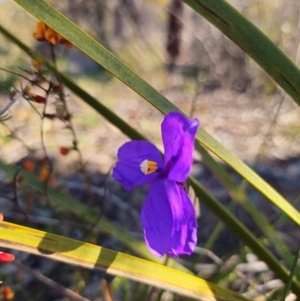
[(168, 215)]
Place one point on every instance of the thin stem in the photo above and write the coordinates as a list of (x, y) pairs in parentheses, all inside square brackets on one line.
[(49, 282), (23, 76), (15, 199), (104, 199), (50, 165), (71, 127)]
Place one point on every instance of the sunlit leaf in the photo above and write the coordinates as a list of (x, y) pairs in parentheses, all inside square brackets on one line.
[(95, 257), (111, 63)]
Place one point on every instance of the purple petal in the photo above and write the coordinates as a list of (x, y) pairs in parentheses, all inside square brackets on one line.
[(184, 237), (169, 219), (178, 135), (130, 155)]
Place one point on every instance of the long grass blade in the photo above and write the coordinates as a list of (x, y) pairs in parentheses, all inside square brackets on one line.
[(240, 197), (94, 257), (210, 202), (111, 63), (292, 273), (242, 233)]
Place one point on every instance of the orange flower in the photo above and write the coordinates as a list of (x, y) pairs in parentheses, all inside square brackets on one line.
[(44, 173), (7, 293), (52, 36), (44, 33), (28, 165), (40, 28)]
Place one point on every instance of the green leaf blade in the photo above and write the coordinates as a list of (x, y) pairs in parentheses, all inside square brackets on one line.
[(97, 52), (94, 257)]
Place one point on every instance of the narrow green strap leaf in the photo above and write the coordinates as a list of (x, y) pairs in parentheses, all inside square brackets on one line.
[(252, 41), (240, 197), (292, 273), (94, 257), (133, 134), (209, 201), (248, 174), (243, 234), (101, 55)]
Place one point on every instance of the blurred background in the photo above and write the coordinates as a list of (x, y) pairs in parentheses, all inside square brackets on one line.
[(182, 56), (191, 63)]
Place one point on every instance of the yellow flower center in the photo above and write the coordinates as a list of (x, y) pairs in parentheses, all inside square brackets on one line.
[(148, 167)]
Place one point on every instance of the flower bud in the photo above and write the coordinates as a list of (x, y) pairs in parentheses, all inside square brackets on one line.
[(6, 257), (57, 88), (36, 98), (28, 165), (7, 293), (64, 151)]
